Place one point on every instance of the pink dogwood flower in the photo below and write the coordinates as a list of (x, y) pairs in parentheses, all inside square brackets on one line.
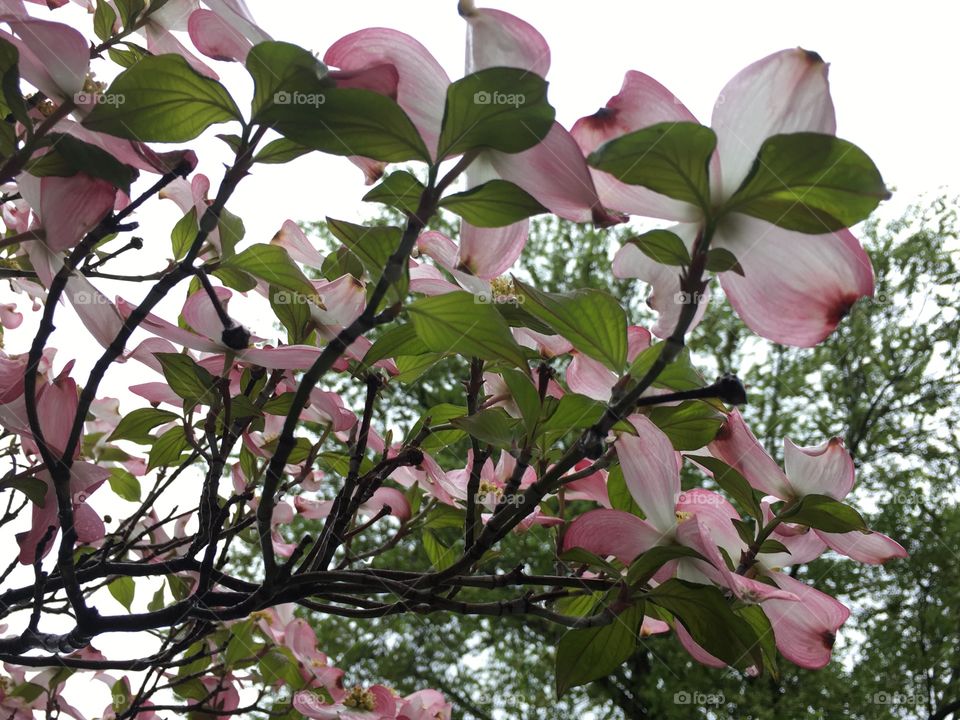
[(796, 287), (825, 469)]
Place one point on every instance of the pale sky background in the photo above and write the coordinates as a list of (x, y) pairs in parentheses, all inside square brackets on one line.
[(893, 72)]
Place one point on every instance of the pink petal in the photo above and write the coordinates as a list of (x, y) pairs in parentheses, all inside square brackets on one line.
[(54, 58), (695, 649), (590, 377), (555, 173), (651, 471), (499, 39), (298, 246), (157, 392), (549, 346), (11, 376), (593, 487), (638, 340), (216, 38), (422, 85), (146, 351), (70, 207), (237, 14), (490, 252), (739, 449), (134, 154), (388, 497), (786, 92), (161, 41), (439, 247), (288, 357), (327, 407), (611, 532), (825, 469), (641, 102), (664, 280), (167, 331), (796, 288), (200, 313), (56, 407), (96, 313), (805, 631), (9, 317), (89, 525), (866, 547)]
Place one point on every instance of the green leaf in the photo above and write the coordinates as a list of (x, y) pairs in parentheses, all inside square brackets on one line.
[(441, 556), (670, 158), (161, 99), (492, 426), (581, 556), (280, 151), (68, 156), (620, 496), (187, 379), (721, 260), (400, 190), (231, 231), (272, 264), (494, 204), (184, 234), (293, 311), (33, 487), (456, 323), (129, 57), (347, 121), (678, 375), (762, 628), (279, 664), (279, 70), (644, 566), (124, 484), (412, 367), (689, 425), (168, 448), (732, 483), (123, 590), (591, 320), (103, 20), (525, 395), (810, 183), (241, 643), (500, 108), (663, 246), (397, 340), (373, 246), (824, 513), (137, 424), (129, 10), (773, 546), (573, 412), (590, 653), (10, 82), (711, 622), (157, 602)]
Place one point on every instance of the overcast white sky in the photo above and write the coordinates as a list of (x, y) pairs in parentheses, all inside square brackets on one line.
[(894, 70)]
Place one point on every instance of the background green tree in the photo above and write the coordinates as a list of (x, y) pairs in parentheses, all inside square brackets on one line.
[(886, 381)]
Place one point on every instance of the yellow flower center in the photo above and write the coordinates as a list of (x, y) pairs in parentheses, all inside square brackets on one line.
[(360, 699)]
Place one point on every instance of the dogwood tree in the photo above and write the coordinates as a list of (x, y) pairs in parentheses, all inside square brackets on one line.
[(238, 448)]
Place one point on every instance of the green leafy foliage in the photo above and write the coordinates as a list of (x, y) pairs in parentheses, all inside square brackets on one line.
[(670, 158), (499, 108), (161, 99), (810, 183)]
